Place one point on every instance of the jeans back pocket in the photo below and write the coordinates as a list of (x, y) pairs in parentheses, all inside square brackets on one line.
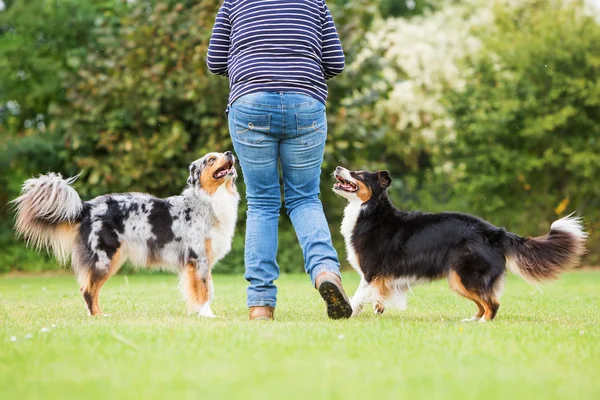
[(251, 128), (311, 128)]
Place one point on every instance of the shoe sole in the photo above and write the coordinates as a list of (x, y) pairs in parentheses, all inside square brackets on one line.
[(338, 306)]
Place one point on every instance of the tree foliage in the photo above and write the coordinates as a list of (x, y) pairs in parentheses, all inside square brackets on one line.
[(528, 118), (472, 107), (143, 107), (37, 40), (394, 116)]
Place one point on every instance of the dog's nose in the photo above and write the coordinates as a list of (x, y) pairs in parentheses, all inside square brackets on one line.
[(338, 168), (228, 153)]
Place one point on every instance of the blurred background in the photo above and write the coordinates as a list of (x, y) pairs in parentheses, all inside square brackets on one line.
[(484, 106)]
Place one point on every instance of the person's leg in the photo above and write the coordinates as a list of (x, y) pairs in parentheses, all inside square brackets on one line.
[(254, 127), (301, 155)]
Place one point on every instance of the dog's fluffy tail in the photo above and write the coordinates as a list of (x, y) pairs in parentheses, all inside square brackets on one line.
[(545, 257), (47, 212)]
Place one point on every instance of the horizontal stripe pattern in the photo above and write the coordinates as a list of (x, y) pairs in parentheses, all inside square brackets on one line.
[(275, 45)]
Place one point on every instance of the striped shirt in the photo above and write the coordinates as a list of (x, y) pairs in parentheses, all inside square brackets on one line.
[(275, 46)]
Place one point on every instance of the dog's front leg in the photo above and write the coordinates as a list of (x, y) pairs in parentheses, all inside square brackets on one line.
[(359, 297), (197, 287)]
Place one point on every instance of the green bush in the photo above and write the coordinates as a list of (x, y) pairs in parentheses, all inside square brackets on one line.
[(121, 93), (39, 41), (138, 106), (406, 8), (143, 107), (528, 120)]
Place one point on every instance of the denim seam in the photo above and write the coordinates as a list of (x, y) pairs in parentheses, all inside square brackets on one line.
[(300, 105), (318, 270), (261, 303)]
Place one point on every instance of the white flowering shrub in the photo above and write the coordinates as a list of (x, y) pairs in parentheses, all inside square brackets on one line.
[(419, 59)]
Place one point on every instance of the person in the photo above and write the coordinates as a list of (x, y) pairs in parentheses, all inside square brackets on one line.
[(277, 55)]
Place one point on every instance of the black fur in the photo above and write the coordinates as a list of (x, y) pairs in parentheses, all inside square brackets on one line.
[(112, 225), (85, 229), (390, 244), (161, 221), (88, 299)]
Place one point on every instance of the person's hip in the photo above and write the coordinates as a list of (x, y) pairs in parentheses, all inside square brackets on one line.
[(255, 116)]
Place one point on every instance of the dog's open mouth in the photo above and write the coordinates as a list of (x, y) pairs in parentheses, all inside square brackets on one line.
[(226, 169), (345, 185)]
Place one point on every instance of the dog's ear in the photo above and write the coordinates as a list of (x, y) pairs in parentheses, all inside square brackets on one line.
[(194, 178), (384, 178)]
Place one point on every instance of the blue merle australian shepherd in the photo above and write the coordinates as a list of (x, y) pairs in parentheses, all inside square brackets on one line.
[(392, 249), (188, 233)]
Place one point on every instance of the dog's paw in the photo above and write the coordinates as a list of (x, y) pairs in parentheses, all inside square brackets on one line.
[(378, 308), (472, 319), (357, 311), (206, 312)]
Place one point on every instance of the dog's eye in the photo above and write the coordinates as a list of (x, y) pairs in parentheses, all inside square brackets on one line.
[(211, 159), (361, 176)]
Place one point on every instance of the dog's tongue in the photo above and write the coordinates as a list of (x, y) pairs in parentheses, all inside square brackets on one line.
[(345, 187), (221, 173)]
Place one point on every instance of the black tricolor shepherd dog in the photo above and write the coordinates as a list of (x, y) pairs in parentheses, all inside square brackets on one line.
[(391, 249), (188, 233)]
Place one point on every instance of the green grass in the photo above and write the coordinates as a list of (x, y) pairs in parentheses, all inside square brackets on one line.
[(542, 344)]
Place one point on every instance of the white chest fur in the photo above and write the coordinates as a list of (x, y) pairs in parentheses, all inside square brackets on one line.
[(225, 206), (351, 213)]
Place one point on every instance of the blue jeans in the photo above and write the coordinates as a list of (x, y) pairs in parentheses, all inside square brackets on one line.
[(268, 129)]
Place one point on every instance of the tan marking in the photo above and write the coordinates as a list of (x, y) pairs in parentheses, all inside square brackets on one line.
[(382, 287), (209, 252), (487, 313), (195, 288), (210, 287), (95, 281), (364, 192), (484, 308), (480, 309), (207, 180), (67, 229)]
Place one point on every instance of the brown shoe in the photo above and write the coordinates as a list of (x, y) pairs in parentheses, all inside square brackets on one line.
[(331, 290), (262, 313)]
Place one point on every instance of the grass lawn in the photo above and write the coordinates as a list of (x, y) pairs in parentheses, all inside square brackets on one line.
[(542, 344)]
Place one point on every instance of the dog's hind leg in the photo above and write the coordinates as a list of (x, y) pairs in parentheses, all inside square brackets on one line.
[(491, 308), (480, 311), (197, 288), (491, 297), (456, 284), (381, 292), (360, 297), (91, 281)]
